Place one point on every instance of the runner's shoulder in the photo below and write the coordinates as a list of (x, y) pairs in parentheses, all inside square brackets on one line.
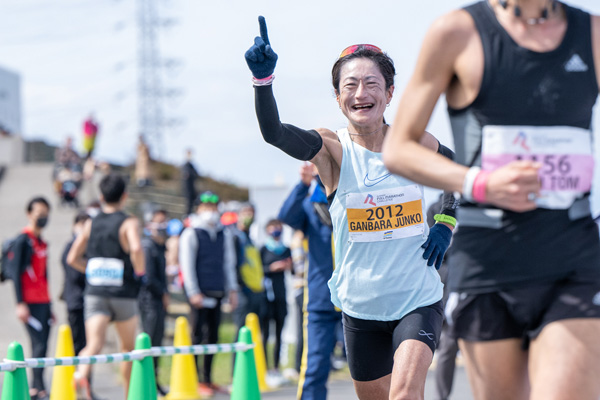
[(454, 28), (327, 134)]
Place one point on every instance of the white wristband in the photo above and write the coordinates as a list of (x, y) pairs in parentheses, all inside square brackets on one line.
[(467, 190), (264, 81)]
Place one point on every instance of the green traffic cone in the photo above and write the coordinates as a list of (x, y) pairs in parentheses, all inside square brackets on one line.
[(245, 382), (142, 384), (15, 382)]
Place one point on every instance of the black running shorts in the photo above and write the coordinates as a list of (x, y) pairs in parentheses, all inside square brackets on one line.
[(370, 345), (521, 312)]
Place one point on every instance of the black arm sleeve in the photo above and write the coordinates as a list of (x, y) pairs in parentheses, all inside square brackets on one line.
[(298, 143), (449, 202)]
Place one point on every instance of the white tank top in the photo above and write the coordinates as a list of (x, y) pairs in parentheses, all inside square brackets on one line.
[(379, 224)]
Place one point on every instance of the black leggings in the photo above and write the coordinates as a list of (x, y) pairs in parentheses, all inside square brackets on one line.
[(39, 340), (205, 330), (276, 311)]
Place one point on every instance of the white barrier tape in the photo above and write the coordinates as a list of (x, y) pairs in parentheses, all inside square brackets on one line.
[(10, 365)]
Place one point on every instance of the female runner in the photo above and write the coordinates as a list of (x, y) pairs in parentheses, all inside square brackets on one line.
[(384, 284)]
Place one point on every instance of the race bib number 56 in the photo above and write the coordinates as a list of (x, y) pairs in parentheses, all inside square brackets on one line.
[(385, 214), (565, 154)]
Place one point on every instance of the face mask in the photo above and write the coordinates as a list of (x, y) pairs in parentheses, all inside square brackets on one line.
[(162, 233), (41, 222), (247, 221), (276, 234), (209, 217)]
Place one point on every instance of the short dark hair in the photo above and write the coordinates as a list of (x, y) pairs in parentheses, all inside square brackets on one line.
[(160, 211), (40, 200), (247, 206), (81, 217), (382, 60), (273, 221), (112, 187)]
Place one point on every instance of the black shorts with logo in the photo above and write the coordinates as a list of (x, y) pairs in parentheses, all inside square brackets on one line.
[(370, 345), (521, 312)]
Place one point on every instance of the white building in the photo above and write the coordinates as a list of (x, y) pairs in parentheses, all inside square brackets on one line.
[(10, 101)]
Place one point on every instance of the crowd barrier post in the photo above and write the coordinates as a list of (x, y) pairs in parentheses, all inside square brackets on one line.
[(15, 385), (245, 381), (142, 384), (63, 387), (259, 351), (184, 372)]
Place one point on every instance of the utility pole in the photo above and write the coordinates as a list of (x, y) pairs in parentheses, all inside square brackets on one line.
[(150, 90)]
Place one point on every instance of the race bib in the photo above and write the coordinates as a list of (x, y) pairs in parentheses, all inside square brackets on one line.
[(385, 214), (564, 152), (104, 271)]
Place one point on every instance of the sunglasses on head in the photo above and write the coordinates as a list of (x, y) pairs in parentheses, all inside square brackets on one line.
[(352, 49), (209, 198)]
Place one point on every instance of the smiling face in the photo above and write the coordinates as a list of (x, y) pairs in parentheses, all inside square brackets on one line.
[(362, 94)]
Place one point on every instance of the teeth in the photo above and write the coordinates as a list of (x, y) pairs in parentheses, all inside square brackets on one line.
[(364, 106)]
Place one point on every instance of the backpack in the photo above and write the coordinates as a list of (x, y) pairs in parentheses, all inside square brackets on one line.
[(8, 266)]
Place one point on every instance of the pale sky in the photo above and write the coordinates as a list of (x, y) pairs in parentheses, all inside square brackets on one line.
[(79, 56)]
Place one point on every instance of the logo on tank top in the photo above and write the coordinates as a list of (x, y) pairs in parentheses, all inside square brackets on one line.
[(369, 200), (575, 64), (372, 182), (521, 140)]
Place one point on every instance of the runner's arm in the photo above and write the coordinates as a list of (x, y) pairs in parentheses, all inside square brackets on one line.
[(296, 142), (507, 187), (596, 45), (402, 152), (75, 257)]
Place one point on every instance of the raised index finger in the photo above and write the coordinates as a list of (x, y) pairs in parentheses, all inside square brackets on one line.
[(263, 29)]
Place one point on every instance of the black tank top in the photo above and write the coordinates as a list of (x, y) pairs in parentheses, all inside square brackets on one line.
[(521, 87), (109, 271)]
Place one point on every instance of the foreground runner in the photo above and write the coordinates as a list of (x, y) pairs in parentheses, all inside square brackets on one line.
[(520, 83), (389, 296)]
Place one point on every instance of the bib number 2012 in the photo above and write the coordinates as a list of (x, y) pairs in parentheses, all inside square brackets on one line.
[(379, 212)]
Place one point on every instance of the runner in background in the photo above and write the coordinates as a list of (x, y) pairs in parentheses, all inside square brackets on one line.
[(113, 263)]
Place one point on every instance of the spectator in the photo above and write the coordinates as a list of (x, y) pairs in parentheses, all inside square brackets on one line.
[(188, 177), (142, 164), (31, 287), (74, 288), (66, 155), (154, 296), (276, 259), (250, 273), (299, 248), (174, 228), (306, 209), (207, 259)]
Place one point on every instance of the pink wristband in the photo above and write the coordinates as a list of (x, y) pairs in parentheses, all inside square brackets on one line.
[(479, 186)]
